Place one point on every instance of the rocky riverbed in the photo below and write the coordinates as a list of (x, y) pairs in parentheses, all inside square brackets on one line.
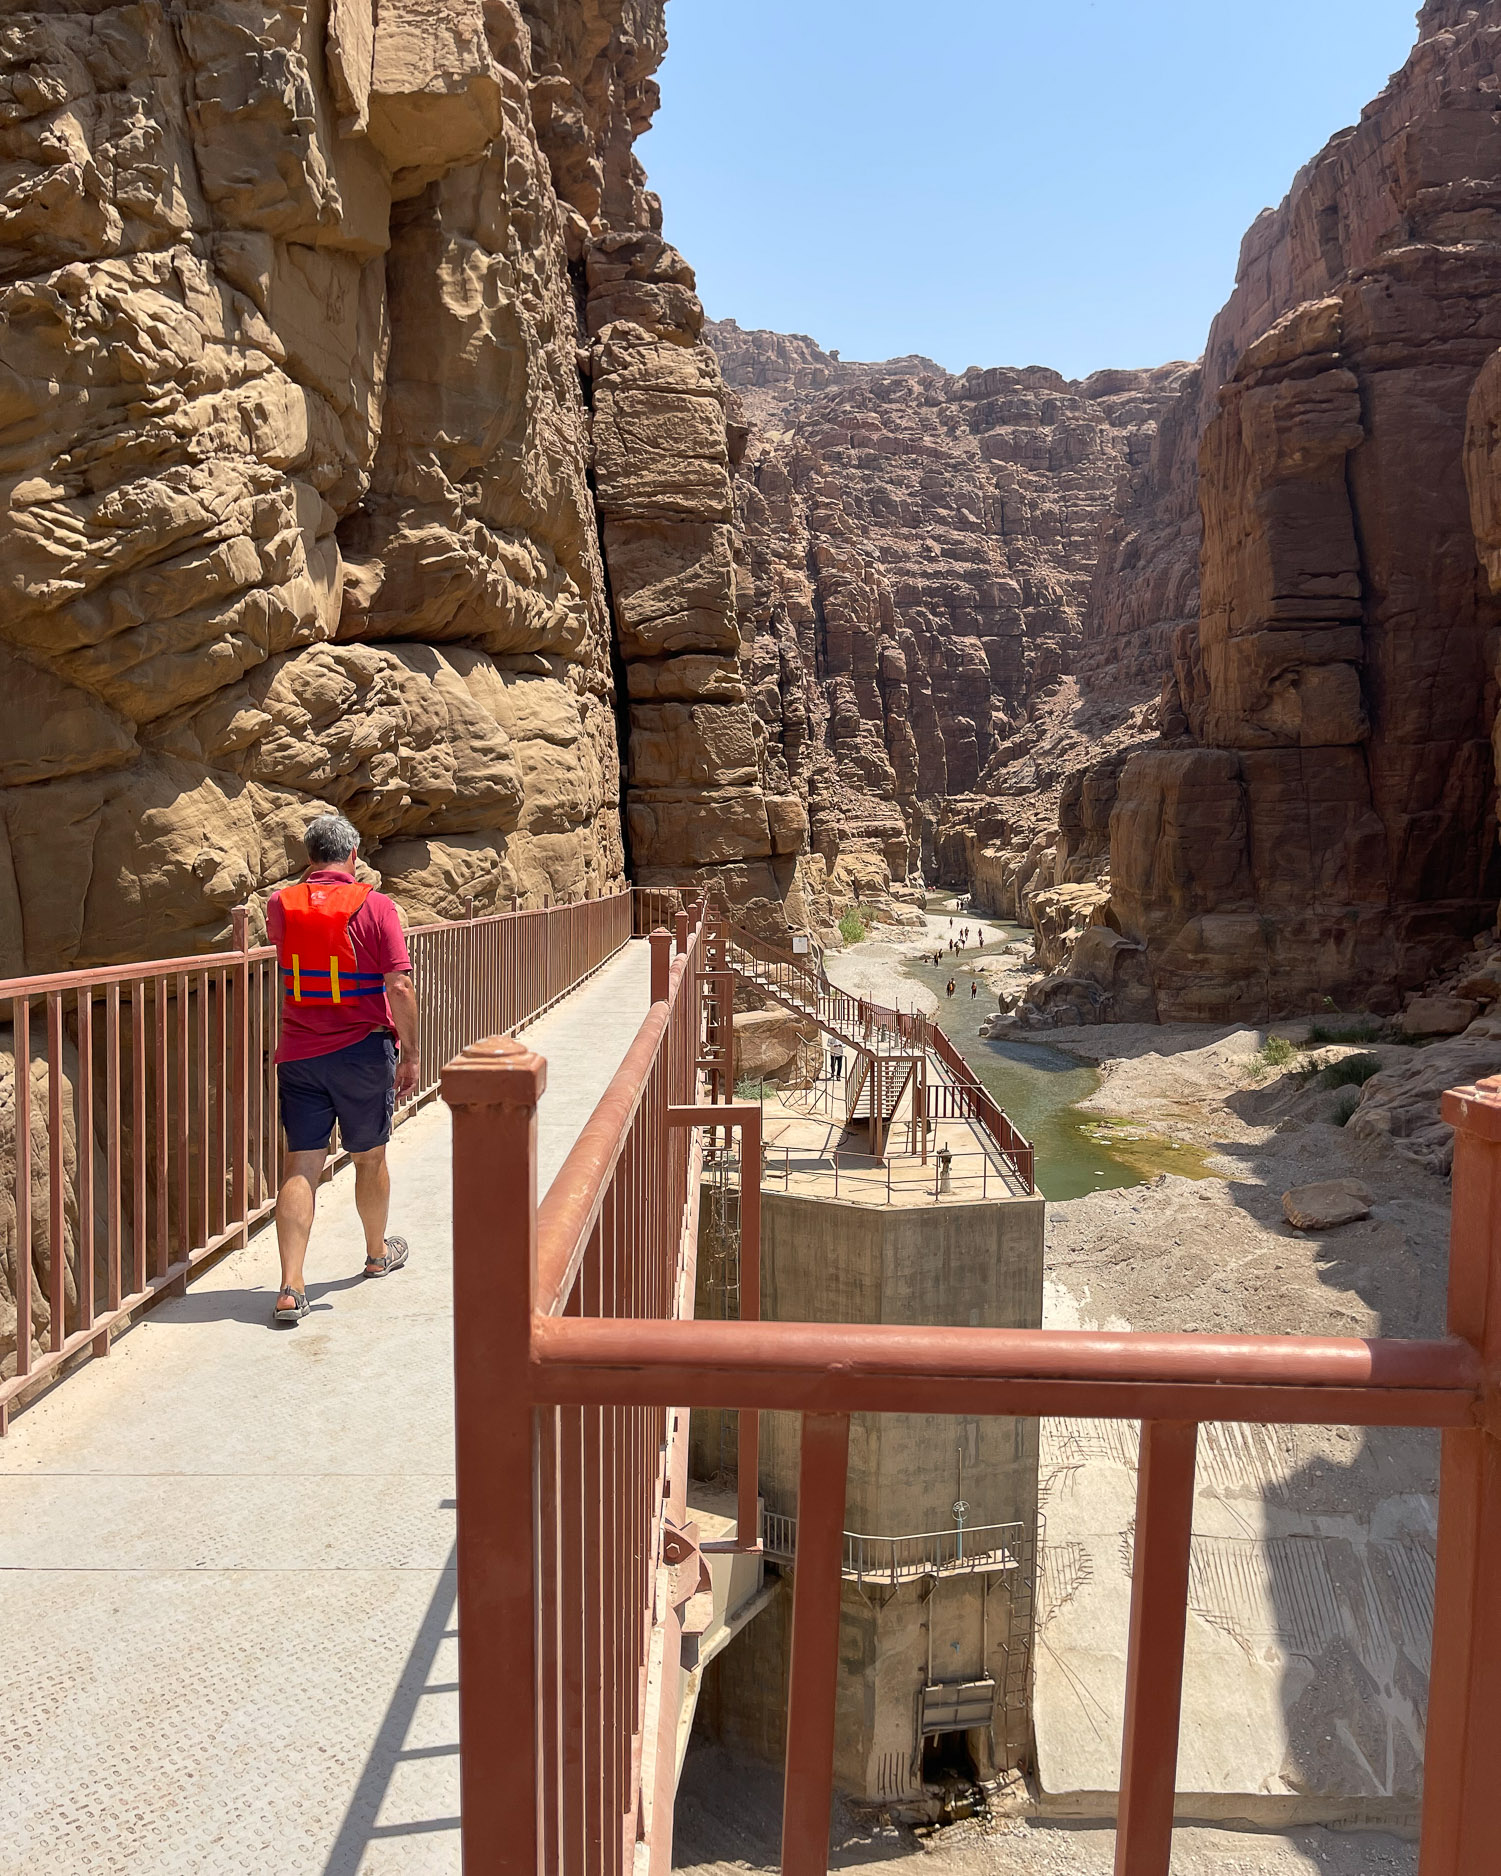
[(729, 1817)]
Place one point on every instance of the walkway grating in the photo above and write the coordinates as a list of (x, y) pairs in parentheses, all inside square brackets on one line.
[(228, 1550)]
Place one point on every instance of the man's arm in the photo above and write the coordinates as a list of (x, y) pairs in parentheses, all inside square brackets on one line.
[(403, 1001)]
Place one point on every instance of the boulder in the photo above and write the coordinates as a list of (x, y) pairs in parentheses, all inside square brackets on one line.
[(1399, 1107), (1439, 1016), (769, 1044), (1325, 1206), (1481, 979), (1119, 967), (1060, 915)]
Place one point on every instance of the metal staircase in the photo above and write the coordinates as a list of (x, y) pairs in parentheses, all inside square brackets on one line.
[(888, 1057)]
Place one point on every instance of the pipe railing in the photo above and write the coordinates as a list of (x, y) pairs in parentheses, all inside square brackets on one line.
[(145, 1136), (959, 1551), (536, 1807), (572, 1513), (861, 1024), (863, 1179)]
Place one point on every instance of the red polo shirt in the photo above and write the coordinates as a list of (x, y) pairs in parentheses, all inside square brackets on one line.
[(309, 1029)]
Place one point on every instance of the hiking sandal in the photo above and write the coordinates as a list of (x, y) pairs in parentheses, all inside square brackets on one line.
[(397, 1252), (289, 1318)]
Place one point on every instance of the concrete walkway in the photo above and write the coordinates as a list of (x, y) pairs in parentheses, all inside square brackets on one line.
[(226, 1553)]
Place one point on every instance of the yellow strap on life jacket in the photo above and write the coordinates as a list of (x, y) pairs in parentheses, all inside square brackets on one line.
[(296, 978), (333, 978)]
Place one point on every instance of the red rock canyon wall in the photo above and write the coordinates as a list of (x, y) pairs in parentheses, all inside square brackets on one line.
[(1321, 823), (345, 380)]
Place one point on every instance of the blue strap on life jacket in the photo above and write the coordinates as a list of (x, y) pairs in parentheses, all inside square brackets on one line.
[(304, 987)]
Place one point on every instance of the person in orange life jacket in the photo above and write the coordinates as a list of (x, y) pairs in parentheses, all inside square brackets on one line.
[(347, 999)]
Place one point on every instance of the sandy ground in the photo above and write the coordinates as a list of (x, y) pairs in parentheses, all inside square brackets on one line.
[(729, 1810), (1219, 1255), (874, 969)]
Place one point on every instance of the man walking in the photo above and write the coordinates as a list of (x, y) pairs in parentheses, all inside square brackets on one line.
[(347, 999)]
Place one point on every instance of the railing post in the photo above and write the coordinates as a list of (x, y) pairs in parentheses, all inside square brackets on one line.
[(493, 1088), (681, 926), (1154, 1657), (748, 1458), (1462, 1760), (808, 1794), (661, 964), (239, 919), (20, 1016), (724, 1005)]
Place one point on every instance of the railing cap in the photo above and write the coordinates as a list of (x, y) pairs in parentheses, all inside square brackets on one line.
[(1475, 1109), (497, 1072)]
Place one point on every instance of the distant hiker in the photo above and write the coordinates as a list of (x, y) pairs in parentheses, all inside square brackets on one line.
[(836, 1060), (974, 990), (952, 987), (347, 999)]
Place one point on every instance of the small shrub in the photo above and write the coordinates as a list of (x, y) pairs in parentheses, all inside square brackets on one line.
[(1354, 1071), (853, 925), (1276, 1052), (1364, 1031), (1348, 1102), (753, 1090)]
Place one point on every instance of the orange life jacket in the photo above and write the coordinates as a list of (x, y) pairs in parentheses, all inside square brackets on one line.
[(317, 956)]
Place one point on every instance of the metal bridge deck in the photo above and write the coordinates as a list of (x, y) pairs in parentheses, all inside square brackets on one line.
[(228, 1549)]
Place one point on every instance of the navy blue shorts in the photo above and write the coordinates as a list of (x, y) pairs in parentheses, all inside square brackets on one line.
[(355, 1086)]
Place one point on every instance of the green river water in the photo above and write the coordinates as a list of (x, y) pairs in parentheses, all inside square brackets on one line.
[(1039, 1088)]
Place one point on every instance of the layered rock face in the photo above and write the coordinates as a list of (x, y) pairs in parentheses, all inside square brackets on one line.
[(919, 550), (1322, 825), (318, 321)]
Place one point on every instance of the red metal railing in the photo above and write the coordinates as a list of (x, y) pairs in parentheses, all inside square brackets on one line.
[(526, 1368), (975, 1102), (865, 1179), (568, 1517), (863, 1025), (657, 908), (145, 1135)]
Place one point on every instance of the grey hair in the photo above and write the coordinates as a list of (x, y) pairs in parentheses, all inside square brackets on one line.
[(330, 839)]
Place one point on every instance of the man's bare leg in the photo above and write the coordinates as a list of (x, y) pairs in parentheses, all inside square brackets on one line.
[(295, 1205), (372, 1199)]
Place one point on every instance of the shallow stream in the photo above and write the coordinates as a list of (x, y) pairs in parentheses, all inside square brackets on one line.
[(1039, 1087)]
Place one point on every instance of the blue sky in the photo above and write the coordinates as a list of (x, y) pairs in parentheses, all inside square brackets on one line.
[(1057, 182)]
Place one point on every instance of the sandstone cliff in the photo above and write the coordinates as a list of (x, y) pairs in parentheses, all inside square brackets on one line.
[(919, 551), (359, 449), (1321, 825)]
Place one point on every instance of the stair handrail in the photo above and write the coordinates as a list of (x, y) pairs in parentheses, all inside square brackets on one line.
[(855, 1019), (854, 1083)]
